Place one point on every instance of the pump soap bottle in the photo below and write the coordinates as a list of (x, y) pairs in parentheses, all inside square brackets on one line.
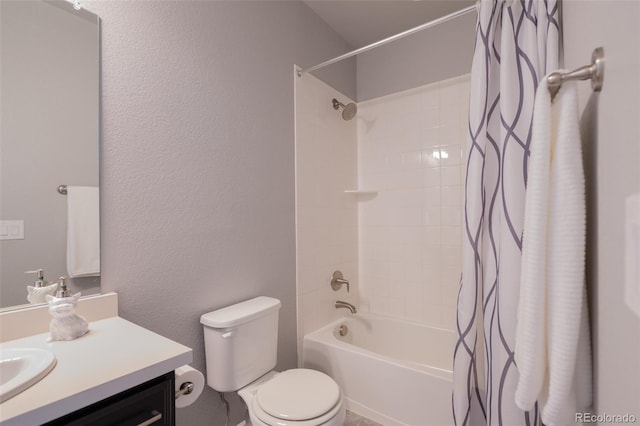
[(40, 288)]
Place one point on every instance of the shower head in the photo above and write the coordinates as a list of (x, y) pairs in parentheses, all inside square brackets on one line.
[(349, 111)]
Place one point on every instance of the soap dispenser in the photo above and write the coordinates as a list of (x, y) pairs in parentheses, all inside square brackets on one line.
[(41, 288), (63, 291), (65, 324)]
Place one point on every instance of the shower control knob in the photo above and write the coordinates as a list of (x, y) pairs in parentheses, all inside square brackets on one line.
[(337, 280)]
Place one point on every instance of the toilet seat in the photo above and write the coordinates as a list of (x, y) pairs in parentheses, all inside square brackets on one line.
[(299, 397)]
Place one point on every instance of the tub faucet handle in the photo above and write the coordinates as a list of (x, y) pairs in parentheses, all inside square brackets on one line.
[(337, 280)]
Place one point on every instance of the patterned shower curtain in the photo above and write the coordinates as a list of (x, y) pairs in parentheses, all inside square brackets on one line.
[(516, 45)]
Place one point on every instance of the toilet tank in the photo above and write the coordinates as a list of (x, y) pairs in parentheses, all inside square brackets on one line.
[(241, 342)]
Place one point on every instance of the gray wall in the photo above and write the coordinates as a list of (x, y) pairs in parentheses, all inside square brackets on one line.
[(431, 55), (198, 162), (49, 135), (611, 136)]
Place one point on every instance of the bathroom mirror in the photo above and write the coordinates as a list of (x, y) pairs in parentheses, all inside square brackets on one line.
[(49, 136)]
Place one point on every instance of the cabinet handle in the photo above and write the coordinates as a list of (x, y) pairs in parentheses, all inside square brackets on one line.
[(156, 417)]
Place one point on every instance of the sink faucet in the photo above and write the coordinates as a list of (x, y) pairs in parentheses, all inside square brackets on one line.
[(342, 304)]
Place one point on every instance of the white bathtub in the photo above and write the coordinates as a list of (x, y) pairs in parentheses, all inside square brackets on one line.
[(392, 371)]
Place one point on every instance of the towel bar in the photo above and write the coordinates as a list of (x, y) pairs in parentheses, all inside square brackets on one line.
[(595, 72)]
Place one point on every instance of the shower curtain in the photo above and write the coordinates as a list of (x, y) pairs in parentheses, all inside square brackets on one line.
[(516, 45)]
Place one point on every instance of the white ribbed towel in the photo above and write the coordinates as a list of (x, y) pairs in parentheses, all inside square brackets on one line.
[(83, 231), (552, 350)]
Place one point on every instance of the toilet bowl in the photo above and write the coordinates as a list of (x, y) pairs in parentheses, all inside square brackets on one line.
[(297, 397), (241, 351)]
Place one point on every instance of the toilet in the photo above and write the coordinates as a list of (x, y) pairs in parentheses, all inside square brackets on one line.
[(241, 345)]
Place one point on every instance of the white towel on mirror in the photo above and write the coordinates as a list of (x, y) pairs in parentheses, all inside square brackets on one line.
[(83, 231), (552, 351)]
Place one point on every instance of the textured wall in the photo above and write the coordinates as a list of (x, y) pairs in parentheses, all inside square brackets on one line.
[(611, 137), (198, 162), (429, 56)]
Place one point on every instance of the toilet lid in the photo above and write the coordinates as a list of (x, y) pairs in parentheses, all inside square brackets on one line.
[(298, 394)]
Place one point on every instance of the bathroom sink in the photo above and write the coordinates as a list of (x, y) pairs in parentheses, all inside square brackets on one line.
[(21, 368)]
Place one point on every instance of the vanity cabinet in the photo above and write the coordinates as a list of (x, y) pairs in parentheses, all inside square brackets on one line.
[(151, 403)]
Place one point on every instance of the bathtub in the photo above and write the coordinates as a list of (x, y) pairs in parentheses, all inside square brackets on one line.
[(392, 371)]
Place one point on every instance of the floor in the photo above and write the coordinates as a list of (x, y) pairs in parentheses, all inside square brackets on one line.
[(355, 420)]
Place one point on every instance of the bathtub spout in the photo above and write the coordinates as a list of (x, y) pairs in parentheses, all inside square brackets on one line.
[(349, 306)]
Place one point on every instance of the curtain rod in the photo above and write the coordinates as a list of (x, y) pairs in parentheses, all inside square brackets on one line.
[(390, 39)]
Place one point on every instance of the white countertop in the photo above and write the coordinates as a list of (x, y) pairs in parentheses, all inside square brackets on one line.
[(114, 356)]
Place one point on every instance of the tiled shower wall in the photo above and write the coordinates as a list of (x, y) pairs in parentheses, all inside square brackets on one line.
[(410, 148), (326, 217)]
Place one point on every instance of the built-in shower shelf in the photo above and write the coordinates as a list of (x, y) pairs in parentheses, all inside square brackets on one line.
[(361, 191)]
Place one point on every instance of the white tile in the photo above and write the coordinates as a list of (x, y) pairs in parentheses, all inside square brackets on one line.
[(309, 279), (431, 253), (395, 161), (413, 309), (432, 293), (431, 137), (449, 92), (451, 235), (367, 252), (411, 178), (396, 306), (412, 253), (396, 253), (451, 256), (450, 175), (380, 306), (412, 160), (450, 295), (371, 164), (309, 311), (407, 238), (431, 156), (450, 115), (450, 155), (432, 214), (451, 215), (432, 196), (432, 268), (408, 235), (368, 146), (431, 98), (432, 177), (433, 314), (451, 195), (431, 234), (413, 272), (411, 197), (449, 135), (449, 317), (450, 277), (411, 216), (430, 117), (375, 181), (432, 273)]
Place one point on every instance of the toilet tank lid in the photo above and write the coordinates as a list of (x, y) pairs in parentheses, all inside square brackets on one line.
[(240, 312)]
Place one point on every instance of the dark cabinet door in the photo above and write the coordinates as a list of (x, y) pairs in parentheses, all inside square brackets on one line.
[(151, 403)]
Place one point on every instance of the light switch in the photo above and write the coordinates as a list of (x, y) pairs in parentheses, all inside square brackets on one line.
[(12, 230), (632, 254)]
